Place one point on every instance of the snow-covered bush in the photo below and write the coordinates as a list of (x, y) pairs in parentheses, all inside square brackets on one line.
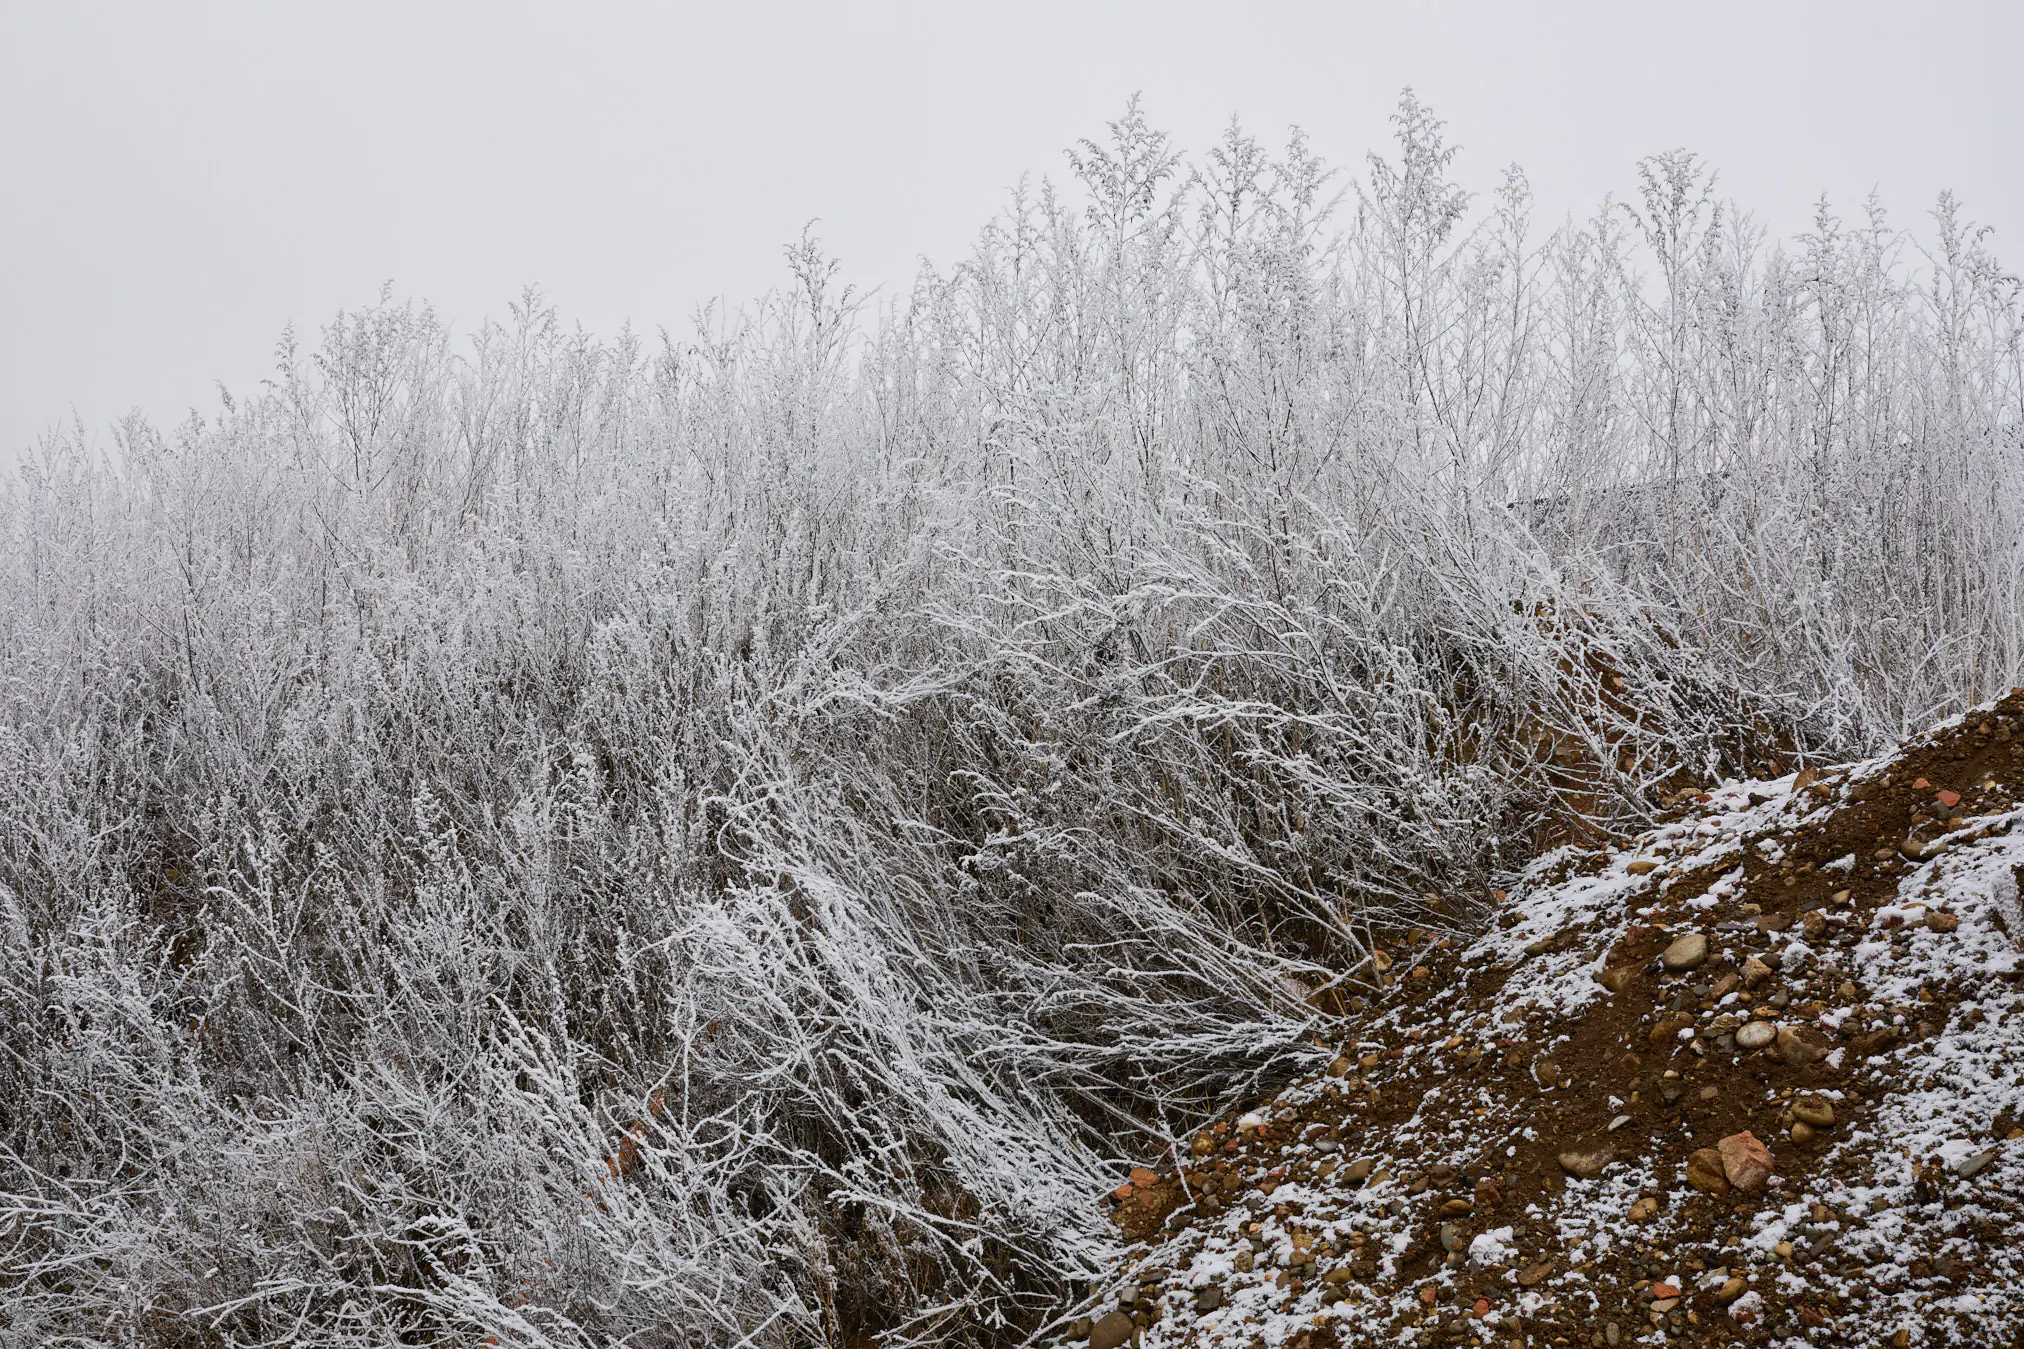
[(727, 841)]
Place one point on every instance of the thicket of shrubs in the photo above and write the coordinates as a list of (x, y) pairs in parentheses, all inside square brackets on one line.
[(549, 841)]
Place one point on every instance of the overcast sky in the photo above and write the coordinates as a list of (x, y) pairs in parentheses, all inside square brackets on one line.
[(178, 181)]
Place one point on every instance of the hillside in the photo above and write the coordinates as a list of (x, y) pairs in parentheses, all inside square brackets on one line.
[(1752, 1078), (733, 840)]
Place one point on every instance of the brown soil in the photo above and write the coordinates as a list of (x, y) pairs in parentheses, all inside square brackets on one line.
[(1622, 1056)]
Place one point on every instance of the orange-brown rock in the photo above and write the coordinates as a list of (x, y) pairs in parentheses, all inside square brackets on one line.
[(1746, 1163)]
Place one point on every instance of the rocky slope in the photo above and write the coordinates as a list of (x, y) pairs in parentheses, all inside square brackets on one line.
[(1753, 1079)]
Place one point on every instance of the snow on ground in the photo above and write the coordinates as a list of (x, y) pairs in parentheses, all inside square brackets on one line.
[(1506, 1153)]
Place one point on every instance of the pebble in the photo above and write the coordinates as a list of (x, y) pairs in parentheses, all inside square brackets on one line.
[(1113, 1330), (1535, 1274), (1706, 1173), (1942, 922), (1756, 1035), (1975, 1165), (1616, 980), (1668, 1028), (1644, 1209), (1815, 1111), (1796, 1051), (1208, 1298), (1357, 1171), (1585, 1164), (1746, 1163), (1803, 1133), (1730, 1290), (1689, 951), (1755, 972)]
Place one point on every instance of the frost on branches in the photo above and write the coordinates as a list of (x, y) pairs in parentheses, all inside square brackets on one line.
[(549, 842)]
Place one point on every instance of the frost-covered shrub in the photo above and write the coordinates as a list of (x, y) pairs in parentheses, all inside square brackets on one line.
[(558, 842)]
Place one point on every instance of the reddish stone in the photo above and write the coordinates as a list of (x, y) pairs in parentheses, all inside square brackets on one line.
[(1746, 1163), (1947, 798), (1661, 1291)]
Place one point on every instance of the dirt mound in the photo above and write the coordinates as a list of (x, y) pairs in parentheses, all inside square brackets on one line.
[(1754, 1079)]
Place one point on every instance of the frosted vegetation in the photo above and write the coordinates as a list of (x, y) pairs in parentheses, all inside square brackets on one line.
[(728, 840)]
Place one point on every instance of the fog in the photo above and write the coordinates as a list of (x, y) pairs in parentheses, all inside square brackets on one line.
[(184, 181)]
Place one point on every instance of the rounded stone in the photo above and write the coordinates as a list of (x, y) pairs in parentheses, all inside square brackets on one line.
[(1814, 1111), (1756, 1035), (1689, 951), (1113, 1330)]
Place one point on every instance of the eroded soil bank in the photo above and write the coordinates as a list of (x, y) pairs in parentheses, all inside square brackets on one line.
[(1753, 1079)]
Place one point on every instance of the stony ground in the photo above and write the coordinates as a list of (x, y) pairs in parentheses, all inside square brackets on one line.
[(1754, 1079)]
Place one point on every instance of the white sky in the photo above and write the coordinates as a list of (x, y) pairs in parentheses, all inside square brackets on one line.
[(177, 181)]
